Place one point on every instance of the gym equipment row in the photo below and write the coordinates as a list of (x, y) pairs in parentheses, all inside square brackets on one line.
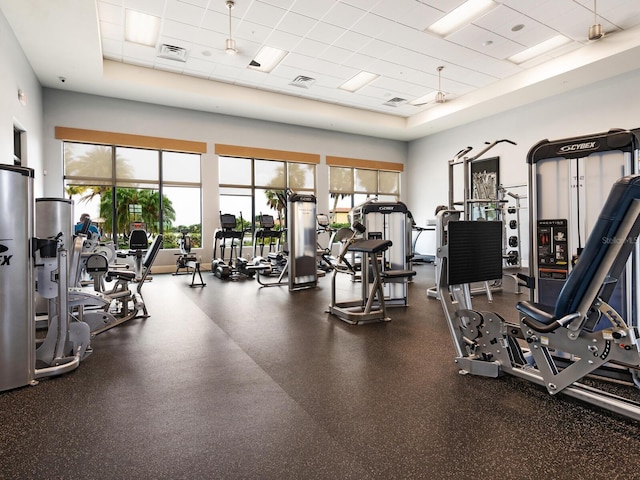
[(48, 268), (486, 344), (581, 319), (293, 264)]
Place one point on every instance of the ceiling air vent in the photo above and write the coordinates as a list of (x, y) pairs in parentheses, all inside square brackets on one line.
[(302, 81), (171, 52), (395, 101)]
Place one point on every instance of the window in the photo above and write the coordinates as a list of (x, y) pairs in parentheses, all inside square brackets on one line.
[(123, 186), (350, 186), (250, 187)]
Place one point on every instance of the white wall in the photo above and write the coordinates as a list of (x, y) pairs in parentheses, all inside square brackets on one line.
[(67, 109), (18, 74), (595, 108)]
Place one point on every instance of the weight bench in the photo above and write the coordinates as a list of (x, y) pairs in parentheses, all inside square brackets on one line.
[(363, 309)]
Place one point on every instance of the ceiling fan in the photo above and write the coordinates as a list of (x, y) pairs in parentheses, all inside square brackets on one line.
[(440, 94), (433, 97), (595, 31), (230, 43)]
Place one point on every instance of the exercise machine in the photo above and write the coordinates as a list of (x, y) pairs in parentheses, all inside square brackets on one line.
[(480, 201), (188, 261), (266, 236), (371, 306), (569, 180), (229, 237), (24, 360), (389, 221), (553, 345), (121, 303), (299, 250)]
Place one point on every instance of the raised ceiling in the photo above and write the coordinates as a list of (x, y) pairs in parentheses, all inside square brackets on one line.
[(328, 41)]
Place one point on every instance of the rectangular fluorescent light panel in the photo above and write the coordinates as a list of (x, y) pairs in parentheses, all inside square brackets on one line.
[(461, 16), (267, 59), (541, 48), (357, 82), (141, 28)]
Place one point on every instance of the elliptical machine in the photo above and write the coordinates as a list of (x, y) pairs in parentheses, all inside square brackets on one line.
[(228, 236)]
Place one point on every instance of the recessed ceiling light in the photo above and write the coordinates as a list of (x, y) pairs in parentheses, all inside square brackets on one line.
[(358, 81), (141, 28), (487, 43), (463, 15), (539, 49), (267, 59), (517, 28)]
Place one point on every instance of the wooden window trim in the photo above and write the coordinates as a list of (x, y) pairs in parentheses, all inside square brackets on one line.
[(128, 140), (361, 163), (265, 154)]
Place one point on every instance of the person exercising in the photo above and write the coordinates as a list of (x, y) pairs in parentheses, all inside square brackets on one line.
[(93, 230)]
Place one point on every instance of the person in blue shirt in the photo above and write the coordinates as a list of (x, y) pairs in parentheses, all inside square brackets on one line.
[(93, 230)]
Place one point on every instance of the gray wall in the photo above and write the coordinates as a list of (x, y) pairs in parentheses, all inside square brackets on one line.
[(18, 74), (595, 108), (62, 108)]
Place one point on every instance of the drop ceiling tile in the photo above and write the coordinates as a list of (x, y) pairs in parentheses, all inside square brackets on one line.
[(108, 12), (372, 25), (151, 7), (342, 15), (112, 49), (197, 3), (312, 8), (360, 62), (212, 40), (352, 41), (251, 31), (174, 29), (477, 39), (286, 4), (296, 24), (325, 32), (184, 13), (419, 16), (264, 14), (376, 48), (393, 10), (283, 40), (218, 22), (135, 50), (362, 4), (111, 31), (335, 54), (310, 48)]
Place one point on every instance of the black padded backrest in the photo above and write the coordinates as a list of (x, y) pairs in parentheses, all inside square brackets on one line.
[(138, 240), (603, 237), (153, 251)]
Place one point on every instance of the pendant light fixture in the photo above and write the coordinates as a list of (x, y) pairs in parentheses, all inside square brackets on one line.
[(230, 44), (595, 31), (440, 94)]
